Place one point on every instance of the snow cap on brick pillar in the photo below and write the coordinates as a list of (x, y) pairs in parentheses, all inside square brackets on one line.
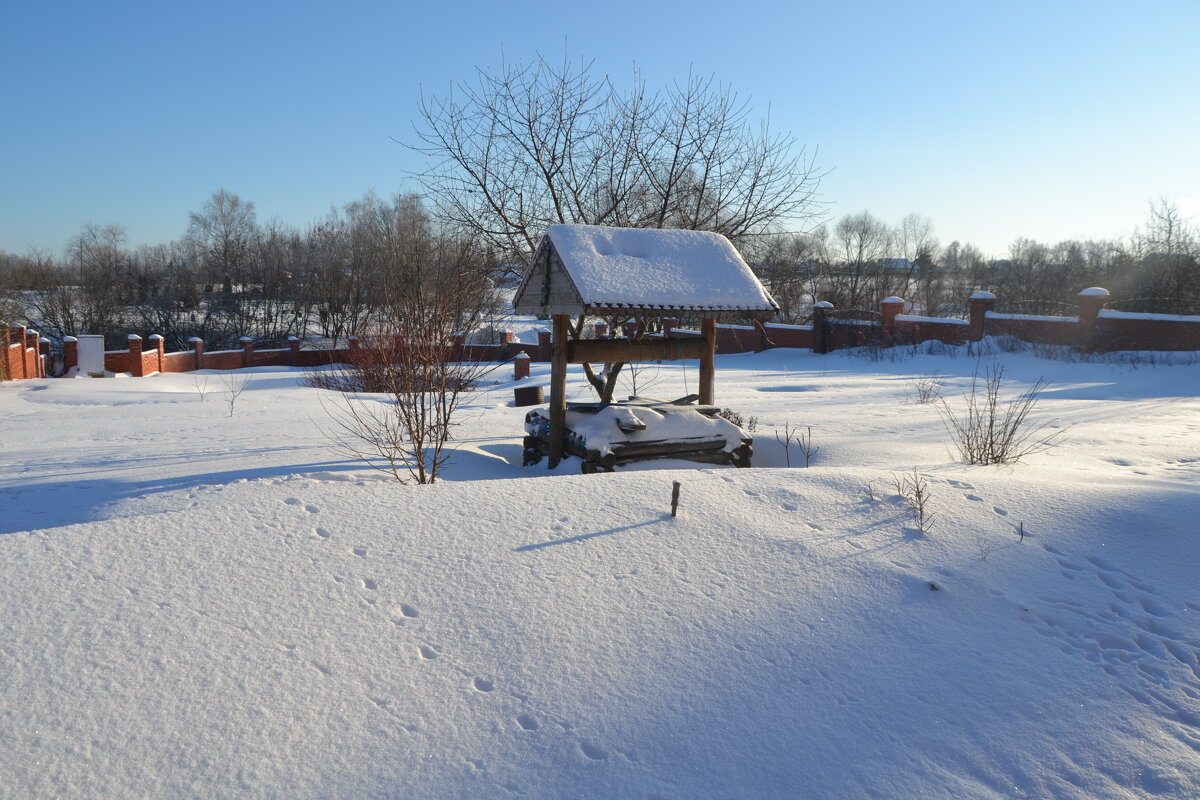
[(135, 356), (70, 353), (601, 330), (980, 304), (820, 309), (889, 309), (520, 366)]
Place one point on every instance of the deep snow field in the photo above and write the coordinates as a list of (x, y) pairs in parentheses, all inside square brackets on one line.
[(199, 605)]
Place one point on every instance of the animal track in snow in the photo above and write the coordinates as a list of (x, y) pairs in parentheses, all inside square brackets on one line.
[(1000, 511), (591, 750), (528, 722), (361, 552), (1133, 631), (408, 611), (370, 584), (974, 498), (428, 653), (483, 684)]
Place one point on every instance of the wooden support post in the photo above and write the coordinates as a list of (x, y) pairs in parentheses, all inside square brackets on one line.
[(708, 361), (558, 388)]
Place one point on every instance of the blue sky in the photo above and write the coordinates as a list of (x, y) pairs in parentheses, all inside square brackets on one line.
[(1048, 120)]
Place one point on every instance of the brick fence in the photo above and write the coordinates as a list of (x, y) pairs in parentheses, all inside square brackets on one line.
[(25, 354), (1094, 328)]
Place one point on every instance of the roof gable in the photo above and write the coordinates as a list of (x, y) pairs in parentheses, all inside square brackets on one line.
[(641, 268)]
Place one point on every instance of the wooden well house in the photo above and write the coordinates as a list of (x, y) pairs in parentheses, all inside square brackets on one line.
[(582, 271)]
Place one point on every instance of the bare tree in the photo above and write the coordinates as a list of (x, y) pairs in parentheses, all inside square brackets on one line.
[(89, 292), (532, 145), (416, 364)]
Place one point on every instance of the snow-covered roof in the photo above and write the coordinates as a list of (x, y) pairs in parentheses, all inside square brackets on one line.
[(640, 268)]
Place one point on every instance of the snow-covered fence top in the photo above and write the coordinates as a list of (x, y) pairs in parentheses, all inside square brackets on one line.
[(585, 268)]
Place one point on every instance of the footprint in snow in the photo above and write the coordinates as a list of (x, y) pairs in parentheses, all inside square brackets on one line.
[(324, 534), (483, 684), (591, 750)]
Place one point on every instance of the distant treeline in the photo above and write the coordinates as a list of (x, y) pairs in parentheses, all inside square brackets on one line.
[(230, 276), (861, 259)]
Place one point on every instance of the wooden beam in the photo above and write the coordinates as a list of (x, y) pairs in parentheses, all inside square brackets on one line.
[(708, 361), (558, 388), (609, 350)]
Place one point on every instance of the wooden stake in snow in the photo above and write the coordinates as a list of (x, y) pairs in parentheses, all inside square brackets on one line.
[(674, 497)]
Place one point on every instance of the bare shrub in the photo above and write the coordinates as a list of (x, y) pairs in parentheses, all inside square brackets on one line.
[(746, 423), (915, 492), (989, 431), (235, 383), (803, 441), (405, 382), (927, 388)]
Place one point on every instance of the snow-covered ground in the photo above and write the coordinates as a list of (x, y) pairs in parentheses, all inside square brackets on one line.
[(199, 605)]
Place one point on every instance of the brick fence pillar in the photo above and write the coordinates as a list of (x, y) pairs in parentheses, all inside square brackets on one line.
[(70, 354), (544, 344), (33, 364), (247, 351), (668, 325), (980, 304), (889, 309), (43, 361), (507, 337), (630, 327), (198, 349), (293, 351), (1091, 301), (156, 342), (520, 366), (601, 330), (820, 329), (135, 356)]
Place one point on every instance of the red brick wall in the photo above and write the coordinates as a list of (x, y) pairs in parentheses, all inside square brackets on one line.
[(1117, 331), (1031, 329), (183, 361), (789, 335), (913, 331)]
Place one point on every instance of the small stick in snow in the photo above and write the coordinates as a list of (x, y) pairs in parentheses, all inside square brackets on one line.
[(675, 497)]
